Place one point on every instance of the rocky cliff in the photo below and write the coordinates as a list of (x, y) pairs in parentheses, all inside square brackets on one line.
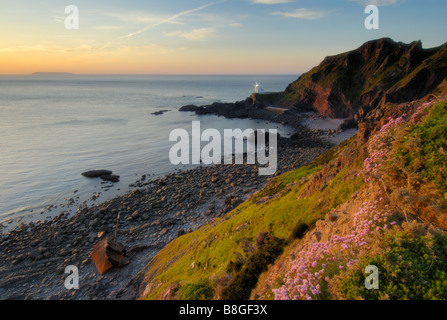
[(380, 71)]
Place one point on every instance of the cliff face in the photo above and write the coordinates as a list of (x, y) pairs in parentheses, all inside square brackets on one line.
[(379, 71)]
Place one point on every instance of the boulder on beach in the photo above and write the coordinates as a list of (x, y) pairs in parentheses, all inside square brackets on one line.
[(96, 173), (105, 175)]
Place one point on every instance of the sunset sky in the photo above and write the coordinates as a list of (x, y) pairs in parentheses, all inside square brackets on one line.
[(202, 37)]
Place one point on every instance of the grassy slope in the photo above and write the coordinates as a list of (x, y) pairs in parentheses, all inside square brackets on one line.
[(212, 247), (285, 201), (412, 256)]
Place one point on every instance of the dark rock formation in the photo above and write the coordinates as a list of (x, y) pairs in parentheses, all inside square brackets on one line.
[(156, 113), (105, 175), (380, 71), (264, 100), (239, 109), (96, 173), (189, 107)]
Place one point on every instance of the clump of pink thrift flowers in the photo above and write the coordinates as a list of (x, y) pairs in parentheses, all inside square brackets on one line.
[(310, 269), (306, 273)]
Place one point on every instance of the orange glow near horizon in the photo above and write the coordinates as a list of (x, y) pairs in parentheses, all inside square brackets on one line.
[(151, 60)]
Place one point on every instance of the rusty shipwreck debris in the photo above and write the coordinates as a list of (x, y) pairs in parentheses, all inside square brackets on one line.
[(109, 253)]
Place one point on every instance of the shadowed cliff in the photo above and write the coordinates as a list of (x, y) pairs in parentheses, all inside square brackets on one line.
[(358, 81)]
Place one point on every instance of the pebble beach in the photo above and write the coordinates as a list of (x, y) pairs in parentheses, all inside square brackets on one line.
[(33, 256)]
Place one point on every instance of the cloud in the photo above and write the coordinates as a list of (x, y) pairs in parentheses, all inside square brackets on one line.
[(110, 49), (172, 19), (303, 13), (235, 25), (59, 19), (379, 3), (271, 1), (201, 34), (140, 18), (108, 27), (151, 48), (107, 48)]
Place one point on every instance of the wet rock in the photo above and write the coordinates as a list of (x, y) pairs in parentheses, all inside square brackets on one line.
[(159, 112), (96, 173), (135, 214), (180, 232), (236, 202), (189, 107)]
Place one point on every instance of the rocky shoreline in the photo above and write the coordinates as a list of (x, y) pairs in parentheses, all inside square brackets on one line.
[(33, 256), (257, 107), (248, 109)]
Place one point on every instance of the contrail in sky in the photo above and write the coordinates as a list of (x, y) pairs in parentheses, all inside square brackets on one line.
[(168, 20)]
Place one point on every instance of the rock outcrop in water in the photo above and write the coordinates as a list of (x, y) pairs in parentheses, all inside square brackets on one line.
[(105, 175), (96, 173)]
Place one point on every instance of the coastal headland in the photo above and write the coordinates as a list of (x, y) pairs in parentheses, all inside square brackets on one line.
[(376, 87)]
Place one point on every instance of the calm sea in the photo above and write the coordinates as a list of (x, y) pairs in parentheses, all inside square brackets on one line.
[(54, 127)]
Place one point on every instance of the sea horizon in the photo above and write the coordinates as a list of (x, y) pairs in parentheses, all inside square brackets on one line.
[(293, 74)]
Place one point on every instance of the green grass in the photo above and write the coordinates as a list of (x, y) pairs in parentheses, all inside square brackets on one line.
[(410, 268), (200, 290), (245, 279), (424, 149), (212, 247)]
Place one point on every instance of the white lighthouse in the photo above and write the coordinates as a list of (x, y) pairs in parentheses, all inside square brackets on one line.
[(258, 88)]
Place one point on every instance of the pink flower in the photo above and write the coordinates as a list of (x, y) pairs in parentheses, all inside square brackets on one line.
[(301, 283)]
